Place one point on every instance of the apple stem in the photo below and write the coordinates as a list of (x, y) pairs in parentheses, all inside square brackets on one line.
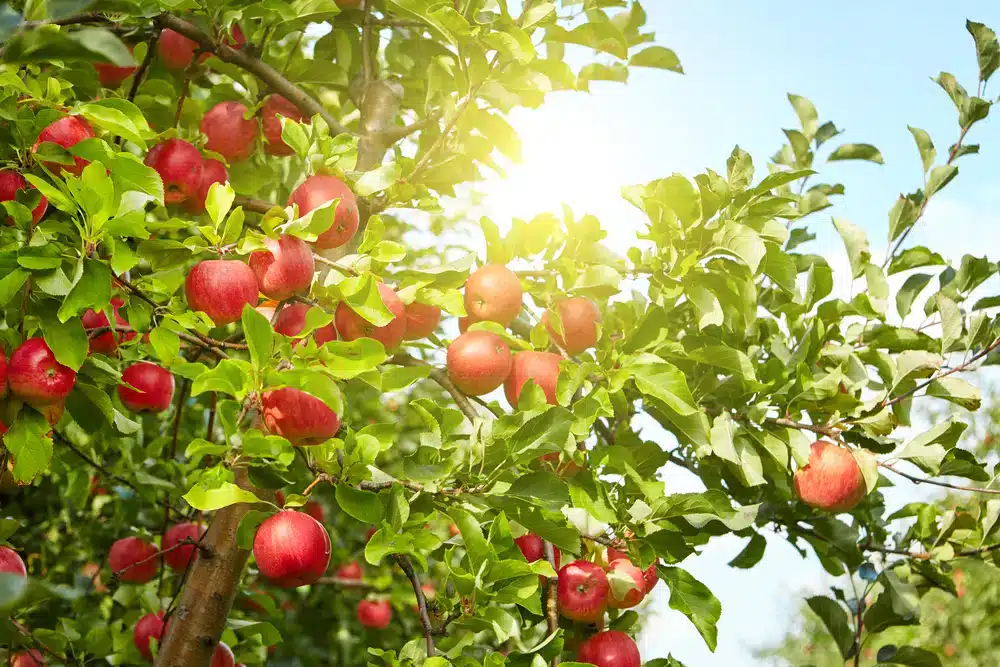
[(407, 567)]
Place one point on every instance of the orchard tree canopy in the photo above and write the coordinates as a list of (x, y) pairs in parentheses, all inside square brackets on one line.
[(240, 418)]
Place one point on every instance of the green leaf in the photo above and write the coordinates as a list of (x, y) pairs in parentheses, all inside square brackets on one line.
[(364, 506), (114, 120), (856, 242), (751, 554), (924, 145), (541, 488), (897, 604), (91, 290), (987, 49), (806, 111), (664, 381), (744, 243), (940, 176), (856, 152), (914, 258), (230, 376), (910, 290), (951, 321), (928, 449), (911, 656), (657, 56), (725, 358), (218, 202), (693, 599), (957, 391), (30, 444), (259, 336), (67, 340), (211, 499), (834, 617)]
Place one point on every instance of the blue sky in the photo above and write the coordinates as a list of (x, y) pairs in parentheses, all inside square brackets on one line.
[(866, 66)]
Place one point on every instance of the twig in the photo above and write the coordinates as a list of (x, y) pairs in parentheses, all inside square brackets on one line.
[(293, 51), (335, 265), (185, 87), (827, 431), (140, 73), (440, 376), (961, 367), (416, 486), (345, 583), (934, 482), (204, 550), (442, 630), (404, 563), (211, 417), (395, 133), (551, 595), (36, 641), (73, 448), (254, 205)]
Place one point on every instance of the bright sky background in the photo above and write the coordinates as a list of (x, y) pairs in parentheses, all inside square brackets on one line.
[(867, 66)]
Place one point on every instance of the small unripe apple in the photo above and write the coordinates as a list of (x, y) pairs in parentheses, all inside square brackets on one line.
[(582, 591), (320, 189), (579, 318), (29, 658), (610, 648), (212, 171), (36, 377), (11, 563), (292, 549), (10, 183), (107, 342), (285, 268), (154, 387), (223, 656), (478, 362), (300, 418), (128, 551), (493, 294), (831, 480), (292, 320), (274, 105), (67, 132), (350, 571), (633, 596), (179, 165), (541, 367), (178, 558), (148, 628), (220, 288), (112, 76), (229, 132), (352, 326), (374, 613)]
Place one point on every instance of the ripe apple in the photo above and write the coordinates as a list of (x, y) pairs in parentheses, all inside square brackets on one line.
[(632, 597), (129, 550), (648, 575), (421, 320), (493, 293), (582, 591), (179, 165), (274, 105), (10, 183), (112, 76), (212, 171), (350, 571), (292, 319), (579, 318), (300, 418), (374, 613), (292, 549), (177, 51), (315, 510), (179, 558), (107, 342), (320, 189), (223, 656), (285, 268), (35, 375), (220, 288), (67, 132), (478, 362), (352, 326), (11, 563), (229, 132), (29, 658), (148, 628), (3, 380), (465, 322), (610, 648), (155, 385), (542, 367), (533, 548), (831, 480)]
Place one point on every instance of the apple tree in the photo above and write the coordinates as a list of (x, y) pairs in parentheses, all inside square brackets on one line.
[(238, 422)]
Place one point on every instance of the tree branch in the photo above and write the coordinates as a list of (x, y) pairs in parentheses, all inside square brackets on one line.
[(36, 641), (407, 567), (934, 482), (440, 376), (140, 73), (551, 595), (961, 367), (254, 205), (56, 436)]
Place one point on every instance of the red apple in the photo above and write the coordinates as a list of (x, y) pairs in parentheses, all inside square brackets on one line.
[(112, 76), (352, 326), (623, 566), (229, 132), (478, 362), (220, 288), (155, 385), (179, 165), (533, 548), (292, 320), (67, 132), (178, 558), (10, 183), (374, 613), (454, 530), (320, 189), (350, 571), (107, 342), (582, 591), (610, 648), (11, 563), (175, 50), (315, 510), (493, 293), (274, 105), (223, 656), (285, 268), (29, 658), (831, 480), (212, 171), (3, 378), (465, 322), (35, 375), (421, 320), (292, 549), (300, 418), (541, 367), (128, 551), (148, 628), (649, 575), (579, 318), (369, 534)]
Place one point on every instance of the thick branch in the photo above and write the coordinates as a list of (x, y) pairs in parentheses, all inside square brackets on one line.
[(425, 620)]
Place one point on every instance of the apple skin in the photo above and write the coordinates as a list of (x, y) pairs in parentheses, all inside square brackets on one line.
[(376, 614), (212, 171), (292, 549), (220, 288), (648, 575), (35, 375), (29, 658), (582, 591), (10, 183), (292, 320), (542, 367), (223, 656), (130, 550), (179, 165), (275, 104), (316, 191), (284, 269), (610, 648), (421, 320), (493, 293), (300, 418), (229, 133), (350, 571), (579, 318), (107, 342), (112, 76), (68, 131), (148, 627), (352, 326), (478, 362), (179, 558), (635, 595), (533, 548), (831, 480), (155, 382), (11, 563), (177, 51), (3, 380)]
